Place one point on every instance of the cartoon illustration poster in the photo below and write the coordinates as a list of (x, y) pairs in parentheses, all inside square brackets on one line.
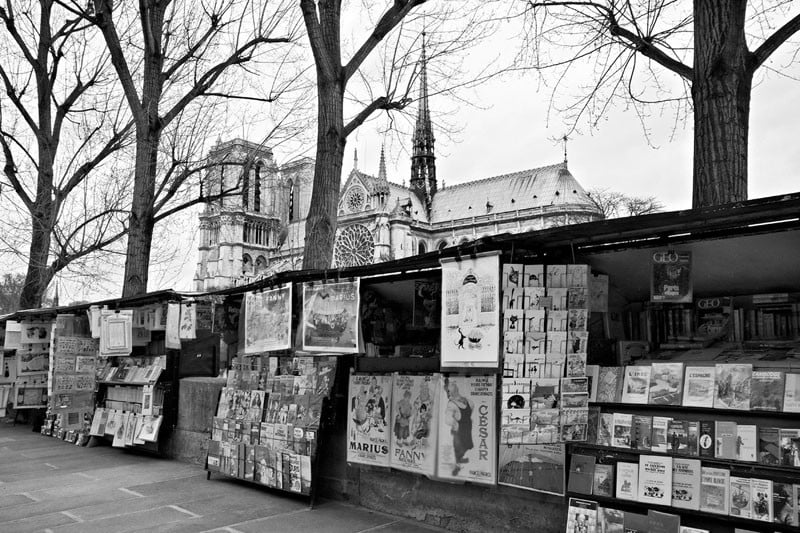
[(330, 316), (470, 312), (414, 423), (537, 467), (467, 428), (368, 425), (268, 320)]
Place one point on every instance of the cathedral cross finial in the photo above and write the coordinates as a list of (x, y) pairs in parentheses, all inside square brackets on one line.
[(564, 139)]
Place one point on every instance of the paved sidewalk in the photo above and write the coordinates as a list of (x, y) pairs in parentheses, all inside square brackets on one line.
[(50, 485)]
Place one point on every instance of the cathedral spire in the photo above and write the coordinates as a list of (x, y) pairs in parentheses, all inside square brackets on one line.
[(423, 160), (382, 166), (355, 158)]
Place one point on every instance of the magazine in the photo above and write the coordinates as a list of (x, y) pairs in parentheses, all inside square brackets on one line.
[(732, 389)]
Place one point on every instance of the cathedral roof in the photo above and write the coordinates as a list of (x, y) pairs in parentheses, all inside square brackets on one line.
[(534, 188), (396, 193)]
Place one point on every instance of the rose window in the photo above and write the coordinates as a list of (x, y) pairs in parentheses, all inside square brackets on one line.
[(355, 200), (354, 247)]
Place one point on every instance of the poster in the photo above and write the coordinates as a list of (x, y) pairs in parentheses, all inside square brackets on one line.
[(414, 423), (470, 312), (188, 319), (368, 424), (268, 320), (427, 304), (467, 428), (172, 326), (330, 316), (537, 467), (116, 332), (671, 279)]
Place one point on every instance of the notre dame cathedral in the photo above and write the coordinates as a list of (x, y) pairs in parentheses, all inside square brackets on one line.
[(261, 229)]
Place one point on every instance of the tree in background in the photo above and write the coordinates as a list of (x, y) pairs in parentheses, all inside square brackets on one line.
[(715, 50), (615, 204), (10, 288)]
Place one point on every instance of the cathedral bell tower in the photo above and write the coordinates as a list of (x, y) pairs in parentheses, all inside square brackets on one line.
[(423, 161)]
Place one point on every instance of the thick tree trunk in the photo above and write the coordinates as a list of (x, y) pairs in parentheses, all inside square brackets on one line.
[(721, 95), (141, 219), (38, 275), (321, 221)]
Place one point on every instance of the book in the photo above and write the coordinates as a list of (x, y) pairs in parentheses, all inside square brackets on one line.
[(636, 384), (726, 439), (769, 446), (603, 480), (581, 516), (741, 504), (627, 486), (609, 384), (659, 522), (791, 396), (698, 388), (659, 441), (746, 442), (605, 429), (622, 430), (784, 504), (677, 436), (641, 432), (666, 384), (761, 497), (655, 479), (593, 373), (714, 489), (686, 483), (790, 446), (592, 425), (767, 390), (581, 473), (692, 437), (636, 523), (732, 386), (706, 440), (610, 520)]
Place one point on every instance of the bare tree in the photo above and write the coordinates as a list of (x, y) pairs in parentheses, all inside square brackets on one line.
[(59, 125), (170, 56), (715, 51), (10, 288), (615, 204)]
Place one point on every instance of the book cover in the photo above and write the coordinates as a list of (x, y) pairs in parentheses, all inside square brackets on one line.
[(627, 481), (767, 390), (659, 522), (692, 437), (636, 523), (790, 446), (746, 442), (593, 373), (609, 386), (791, 397), (741, 504), (727, 434), (592, 425), (622, 430), (603, 481), (761, 497), (581, 516), (732, 390), (659, 442), (706, 441), (610, 520), (784, 505), (641, 432), (581, 473), (769, 446), (677, 431), (698, 388), (686, 483), (666, 383), (605, 429), (714, 490), (636, 384), (655, 479)]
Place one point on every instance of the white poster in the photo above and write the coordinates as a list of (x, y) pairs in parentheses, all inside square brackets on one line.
[(330, 316), (172, 334), (470, 312), (268, 320), (467, 428), (368, 426)]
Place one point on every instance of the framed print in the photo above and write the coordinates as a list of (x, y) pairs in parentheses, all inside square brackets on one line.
[(330, 316)]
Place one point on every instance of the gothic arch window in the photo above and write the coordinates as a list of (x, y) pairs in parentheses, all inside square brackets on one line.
[(354, 246), (442, 245), (291, 200), (421, 249), (257, 188), (261, 263), (247, 264), (245, 188)]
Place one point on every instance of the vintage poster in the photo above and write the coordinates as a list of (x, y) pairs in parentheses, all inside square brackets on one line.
[(537, 467), (415, 423), (427, 303), (188, 318), (172, 326), (671, 276), (470, 312), (368, 425), (268, 320), (467, 428), (330, 316)]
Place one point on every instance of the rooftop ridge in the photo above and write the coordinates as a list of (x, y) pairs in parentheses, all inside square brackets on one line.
[(483, 180)]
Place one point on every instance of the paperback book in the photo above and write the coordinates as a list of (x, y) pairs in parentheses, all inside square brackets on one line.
[(609, 387), (603, 480), (732, 389), (605, 429), (611, 520), (714, 490), (707, 440), (581, 516), (655, 479), (666, 383), (746, 442), (581, 473), (627, 481), (767, 390), (698, 390), (659, 522), (727, 433), (641, 432), (761, 497), (678, 437), (622, 430), (791, 397), (636, 385), (660, 438), (790, 446), (686, 483), (769, 446), (784, 504), (741, 504)]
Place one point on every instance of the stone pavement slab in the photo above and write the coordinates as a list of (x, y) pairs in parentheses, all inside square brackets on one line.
[(50, 486)]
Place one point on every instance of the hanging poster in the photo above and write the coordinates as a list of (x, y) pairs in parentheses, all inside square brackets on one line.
[(330, 316), (116, 332), (414, 423), (13, 335), (427, 303), (470, 312), (172, 327), (467, 428), (33, 355), (268, 320), (671, 279), (368, 429), (537, 467), (187, 322)]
